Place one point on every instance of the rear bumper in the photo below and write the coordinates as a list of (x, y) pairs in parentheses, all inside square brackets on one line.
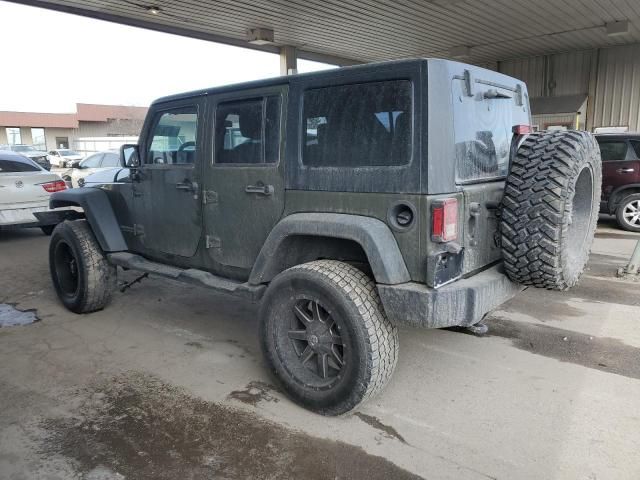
[(461, 303)]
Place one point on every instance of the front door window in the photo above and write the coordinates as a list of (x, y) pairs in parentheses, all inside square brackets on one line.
[(173, 140)]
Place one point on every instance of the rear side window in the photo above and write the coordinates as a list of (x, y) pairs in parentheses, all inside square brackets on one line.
[(612, 151), (248, 131), (360, 125), (636, 147), (7, 166)]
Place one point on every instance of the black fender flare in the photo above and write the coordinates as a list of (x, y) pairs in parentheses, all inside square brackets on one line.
[(373, 235), (98, 212), (611, 204)]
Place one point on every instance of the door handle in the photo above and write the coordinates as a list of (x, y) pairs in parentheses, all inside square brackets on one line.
[(260, 189), (625, 170), (187, 186)]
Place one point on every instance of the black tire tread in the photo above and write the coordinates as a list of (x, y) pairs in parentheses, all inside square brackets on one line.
[(537, 203), (382, 335), (100, 277), (378, 338)]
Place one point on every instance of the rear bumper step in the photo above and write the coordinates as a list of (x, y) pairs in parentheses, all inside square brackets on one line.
[(461, 303), (188, 275)]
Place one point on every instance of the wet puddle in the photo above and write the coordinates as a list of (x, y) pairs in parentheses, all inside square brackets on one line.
[(10, 316), (605, 354), (387, 430), (136, 426)]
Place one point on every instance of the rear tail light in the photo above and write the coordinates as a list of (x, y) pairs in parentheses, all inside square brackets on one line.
[(444, 224), (55, 186), (522, 129)]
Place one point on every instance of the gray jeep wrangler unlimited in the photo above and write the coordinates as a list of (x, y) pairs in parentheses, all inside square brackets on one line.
[(348, 202)]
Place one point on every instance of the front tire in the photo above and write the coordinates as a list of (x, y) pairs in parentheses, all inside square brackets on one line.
[(325, 336), (82, 277), (628, 213)]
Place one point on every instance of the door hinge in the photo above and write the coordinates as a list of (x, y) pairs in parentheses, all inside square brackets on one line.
[(209, 197), (138, 230), (212, 242)]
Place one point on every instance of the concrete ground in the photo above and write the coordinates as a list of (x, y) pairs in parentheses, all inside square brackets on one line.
[(168, 383)]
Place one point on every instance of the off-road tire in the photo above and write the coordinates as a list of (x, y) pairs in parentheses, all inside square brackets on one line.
[(349, 296), (620, 211), (550, 209), (90, 289)]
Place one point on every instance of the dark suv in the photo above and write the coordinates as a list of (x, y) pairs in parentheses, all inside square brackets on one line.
[(348, 202), (621, 178)]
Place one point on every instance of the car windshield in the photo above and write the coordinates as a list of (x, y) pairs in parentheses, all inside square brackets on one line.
[(67, 153), (22, 148)]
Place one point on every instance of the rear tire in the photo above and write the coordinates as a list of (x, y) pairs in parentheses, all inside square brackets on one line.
[(325, 336), (628, 213), (82, 277), (550, 209)]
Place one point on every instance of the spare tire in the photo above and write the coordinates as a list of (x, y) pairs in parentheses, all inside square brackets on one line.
[(550, 208)]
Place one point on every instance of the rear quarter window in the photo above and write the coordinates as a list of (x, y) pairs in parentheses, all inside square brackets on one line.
[(358, 125), (12, 166)]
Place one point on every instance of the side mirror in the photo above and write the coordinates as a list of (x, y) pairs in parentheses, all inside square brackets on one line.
[(129, 156)]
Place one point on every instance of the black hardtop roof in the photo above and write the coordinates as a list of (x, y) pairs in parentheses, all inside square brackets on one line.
[(324, 74)]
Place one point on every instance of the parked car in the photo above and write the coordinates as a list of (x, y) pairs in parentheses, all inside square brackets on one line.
[(105, 176), (38, 156), (25, 188), (92, 164), (407, 204), (621, 178), (63, 158)]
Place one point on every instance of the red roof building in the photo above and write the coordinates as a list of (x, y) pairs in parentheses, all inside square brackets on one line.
[(47, 131)]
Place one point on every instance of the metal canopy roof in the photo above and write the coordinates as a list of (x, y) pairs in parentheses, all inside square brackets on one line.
[(351, 31)]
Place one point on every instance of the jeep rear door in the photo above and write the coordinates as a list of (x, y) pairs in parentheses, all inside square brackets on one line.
[(167, 203), (486, 107), (244, 183)]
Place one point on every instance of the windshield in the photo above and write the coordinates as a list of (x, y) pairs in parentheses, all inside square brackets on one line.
[(22, 148), (67, 153)]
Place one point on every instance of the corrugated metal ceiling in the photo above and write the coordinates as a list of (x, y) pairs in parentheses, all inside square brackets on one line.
[(370, 30)]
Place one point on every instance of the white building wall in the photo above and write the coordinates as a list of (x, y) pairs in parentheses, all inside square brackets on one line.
[(531, 70), (610, 76), (617, 89)]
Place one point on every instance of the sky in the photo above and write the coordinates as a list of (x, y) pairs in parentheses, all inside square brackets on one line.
[(52, 60)]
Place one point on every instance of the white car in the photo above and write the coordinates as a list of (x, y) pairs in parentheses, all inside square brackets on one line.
[(93, 163), (25, 188), (63, 158)]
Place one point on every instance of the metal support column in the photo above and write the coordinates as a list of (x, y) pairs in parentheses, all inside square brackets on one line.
[(288, 60), (632, 270)]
